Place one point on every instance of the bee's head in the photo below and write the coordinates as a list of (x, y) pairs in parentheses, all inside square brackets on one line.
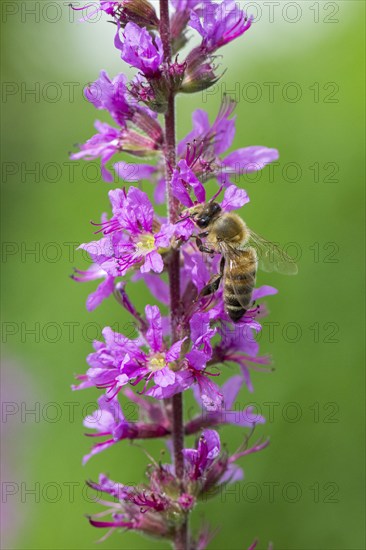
[(206, 214)]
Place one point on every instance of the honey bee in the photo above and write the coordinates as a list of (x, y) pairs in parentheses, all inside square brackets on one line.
[(242, 251)]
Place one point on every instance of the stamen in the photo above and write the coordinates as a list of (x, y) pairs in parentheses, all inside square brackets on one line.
[(106, 227)]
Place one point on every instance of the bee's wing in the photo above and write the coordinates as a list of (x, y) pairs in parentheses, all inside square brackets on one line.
[(271, 257)]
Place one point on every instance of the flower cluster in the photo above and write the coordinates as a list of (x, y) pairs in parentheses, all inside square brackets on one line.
[(192, 346), (156, 508)]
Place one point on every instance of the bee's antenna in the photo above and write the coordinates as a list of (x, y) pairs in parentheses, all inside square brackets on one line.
[(183, 219), (217, 194)]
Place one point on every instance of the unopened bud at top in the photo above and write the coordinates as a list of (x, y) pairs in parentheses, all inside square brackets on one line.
[(140, 12)]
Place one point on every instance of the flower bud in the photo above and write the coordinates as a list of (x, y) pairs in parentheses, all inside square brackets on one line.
[(140, 12), (199, 74), (164, 481)]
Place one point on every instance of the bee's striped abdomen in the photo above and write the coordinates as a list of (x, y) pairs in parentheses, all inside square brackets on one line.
[(239, 281)]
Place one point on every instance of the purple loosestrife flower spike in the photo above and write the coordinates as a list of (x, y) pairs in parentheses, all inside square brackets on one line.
[(188, 342)]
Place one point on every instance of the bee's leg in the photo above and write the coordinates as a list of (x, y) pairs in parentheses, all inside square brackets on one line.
[(212, 286), (203, 248), (215, 281)]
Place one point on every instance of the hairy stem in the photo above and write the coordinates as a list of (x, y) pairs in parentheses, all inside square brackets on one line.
[(181, 539)]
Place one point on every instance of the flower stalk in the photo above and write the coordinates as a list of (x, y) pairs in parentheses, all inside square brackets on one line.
[(160, 358), (181, 537)]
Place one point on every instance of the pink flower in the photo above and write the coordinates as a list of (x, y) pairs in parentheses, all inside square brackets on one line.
[(131, 239), (109, 421), (121, 360)]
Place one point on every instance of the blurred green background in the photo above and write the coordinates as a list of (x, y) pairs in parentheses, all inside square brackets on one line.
[(304, 492)]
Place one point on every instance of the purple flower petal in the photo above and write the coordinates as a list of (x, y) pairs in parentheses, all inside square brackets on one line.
[(160, 191), (211, 396), (184, 229), (104, 145), (139, 49), (232, 474), (201, 333), (112, 96), (164, 377), (134, 172), (138, 213), (98, 448), (183, 182), (106, 417), (174, 352), (213, 444), (263, 291), (154, 334), (234, 198), (117, 198), (221, 23), (250, 159), (197, 359), (163, 237), (183, 381), (153, 262), (197, 269), (104, 290), (231, 389)]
